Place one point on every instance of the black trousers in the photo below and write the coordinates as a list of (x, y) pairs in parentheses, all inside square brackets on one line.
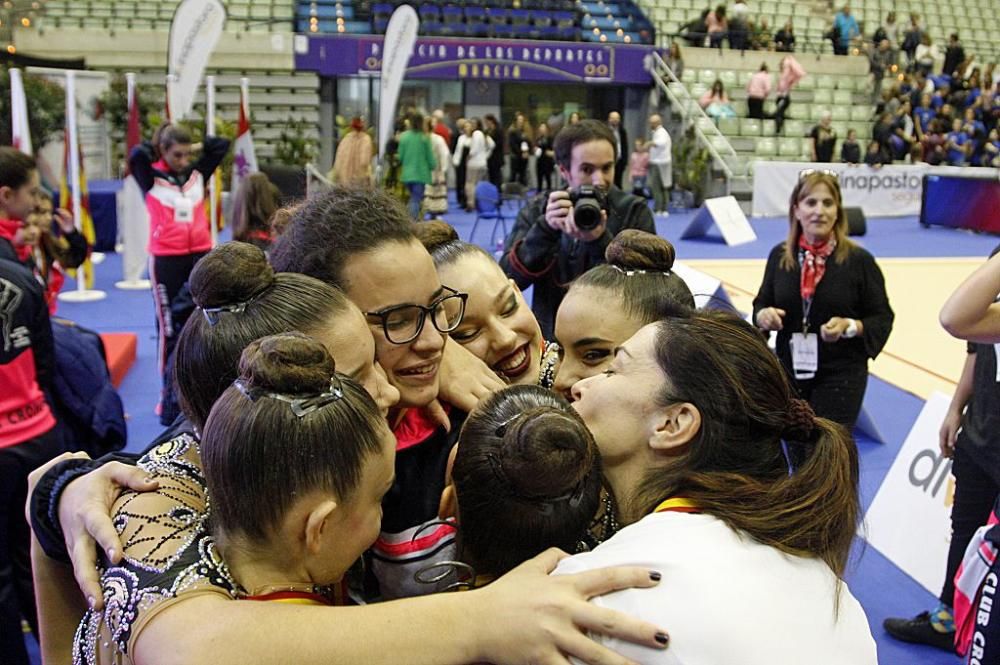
[(17, 592), (460, 184), (494, 170), (168, 275), (545, 177), (519, 170), (780, 107), (836, 393), (755, 108), (975, 493)]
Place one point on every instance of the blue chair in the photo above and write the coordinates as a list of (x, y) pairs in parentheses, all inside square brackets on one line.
[(488, 207)]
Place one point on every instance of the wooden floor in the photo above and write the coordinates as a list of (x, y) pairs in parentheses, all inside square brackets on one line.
[(920, 356)]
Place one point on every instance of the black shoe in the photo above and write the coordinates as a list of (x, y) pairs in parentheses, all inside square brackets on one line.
[(920, 631)]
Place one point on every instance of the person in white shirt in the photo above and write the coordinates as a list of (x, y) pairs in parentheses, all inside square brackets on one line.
[(480, 146), (660, 164), (690, 419)]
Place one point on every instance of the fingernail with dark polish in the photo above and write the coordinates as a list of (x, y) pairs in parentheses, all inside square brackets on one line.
[(662, 638), (655, 575)]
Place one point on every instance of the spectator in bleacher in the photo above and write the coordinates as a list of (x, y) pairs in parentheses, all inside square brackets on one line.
[(758, 88), (954, 55), (494, 163), (716, 102), (889, 30), (661, 176), (903, 135), (546, 249), (519, 140), (29, 433), (790, 73), (846, 27), (436, 194), (911, 40), (675, 61), (416, 157), (738, 27), (991, 149), (976, 131), (830, 291), (926, 54), (256, 202), (761, 39), (440, 128), (459, 159), (784, 39), (823, 138), (621, 146), (716, 25), (883, 130), (933, 143), (923, 115), (879, 61), (174, 186), (876, 155), (850, 149), (574, 118), (545, 158), (638, 169), (958, 144), (352, 166), (695, 31)]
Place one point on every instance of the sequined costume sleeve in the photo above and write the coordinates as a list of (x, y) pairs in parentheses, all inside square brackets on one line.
[(168, 554)]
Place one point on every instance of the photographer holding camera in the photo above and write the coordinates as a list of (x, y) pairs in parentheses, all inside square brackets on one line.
[(562, 234)]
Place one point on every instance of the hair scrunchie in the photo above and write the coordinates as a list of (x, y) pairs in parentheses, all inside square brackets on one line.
[(801, 423)]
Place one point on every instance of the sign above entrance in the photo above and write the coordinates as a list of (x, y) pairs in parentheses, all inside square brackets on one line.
[(480, 59)]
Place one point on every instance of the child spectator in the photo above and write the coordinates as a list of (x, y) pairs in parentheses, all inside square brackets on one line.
[(958, 145), (850, 149)]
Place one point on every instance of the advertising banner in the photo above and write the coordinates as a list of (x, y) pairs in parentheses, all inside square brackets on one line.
[(893, 190), (400, 37), (194, 32), (481, 59), (909, 521)]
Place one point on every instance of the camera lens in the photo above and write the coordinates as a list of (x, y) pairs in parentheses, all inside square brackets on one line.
[(587, 213)]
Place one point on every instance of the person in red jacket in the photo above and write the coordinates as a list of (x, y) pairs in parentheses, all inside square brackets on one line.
[(179, 231), (29, 436)]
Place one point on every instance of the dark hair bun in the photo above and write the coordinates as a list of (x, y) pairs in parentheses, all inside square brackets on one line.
[(231, 273), (547, 452), (290, 363), (638, 250), (434, 234)]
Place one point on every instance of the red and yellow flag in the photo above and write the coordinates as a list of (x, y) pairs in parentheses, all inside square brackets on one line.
[(85, 223)]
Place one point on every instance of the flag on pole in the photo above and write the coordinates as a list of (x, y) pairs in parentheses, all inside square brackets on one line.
[(20, 132), (244, 157), (133, 217), (85, 223)]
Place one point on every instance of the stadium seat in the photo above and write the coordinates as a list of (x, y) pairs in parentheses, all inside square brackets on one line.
[(749, 127), (823, 97), (707, 76), (794, 128), (841, 113), (767, 127), (721, 143), (728, 78), (843, 97), (706, 125), (729, 126), (861, 113), (766, 147), (789, 147), (825, 81)]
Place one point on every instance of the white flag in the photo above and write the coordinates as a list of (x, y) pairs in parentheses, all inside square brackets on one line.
[(397, 47), (194, 32), (244, 157), (20, 132)]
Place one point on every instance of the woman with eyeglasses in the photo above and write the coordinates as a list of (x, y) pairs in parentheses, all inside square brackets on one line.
[(694, 409), (161, 576), (499, 327), (826, 299), (364, 243)]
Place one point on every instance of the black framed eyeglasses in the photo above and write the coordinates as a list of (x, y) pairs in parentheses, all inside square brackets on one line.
[(403, 323)]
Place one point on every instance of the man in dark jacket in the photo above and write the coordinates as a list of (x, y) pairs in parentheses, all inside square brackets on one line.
[(546, 249), (954, 55), (621, 146)]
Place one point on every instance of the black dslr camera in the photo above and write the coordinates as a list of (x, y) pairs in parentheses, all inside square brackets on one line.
[(588, 202)]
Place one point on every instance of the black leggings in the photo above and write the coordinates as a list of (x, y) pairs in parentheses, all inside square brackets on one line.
[(168, 274)]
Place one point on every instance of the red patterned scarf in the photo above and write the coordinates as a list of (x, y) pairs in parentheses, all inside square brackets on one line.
[(813, 264)]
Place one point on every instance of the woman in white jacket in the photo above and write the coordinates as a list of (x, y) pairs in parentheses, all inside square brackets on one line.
[(436, 194), (480, 147)]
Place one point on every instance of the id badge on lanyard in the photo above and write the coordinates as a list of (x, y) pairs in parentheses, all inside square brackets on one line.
[(805, 348), (183, 209)]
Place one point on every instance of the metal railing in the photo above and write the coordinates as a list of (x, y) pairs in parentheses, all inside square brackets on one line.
[(722, 152)]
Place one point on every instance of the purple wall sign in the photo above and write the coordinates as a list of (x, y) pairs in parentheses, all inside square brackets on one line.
[(480, 59)]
